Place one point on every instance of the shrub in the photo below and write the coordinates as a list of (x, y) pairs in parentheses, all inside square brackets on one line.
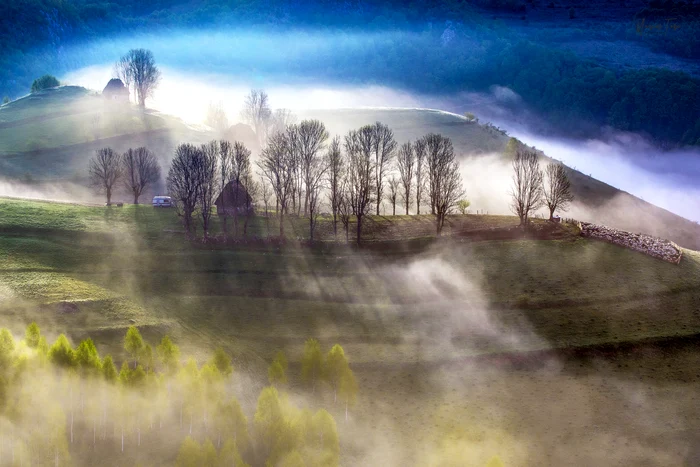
[(45, 82)]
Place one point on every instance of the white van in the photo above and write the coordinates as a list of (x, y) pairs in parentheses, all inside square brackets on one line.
[(162, 202)]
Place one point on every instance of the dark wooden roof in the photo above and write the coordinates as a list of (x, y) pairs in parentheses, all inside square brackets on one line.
[(115, 86)]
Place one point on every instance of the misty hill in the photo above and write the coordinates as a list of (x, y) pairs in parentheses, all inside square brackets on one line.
[(50, 136)]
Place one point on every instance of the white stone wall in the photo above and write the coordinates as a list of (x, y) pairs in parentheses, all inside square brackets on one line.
[(652, 246)]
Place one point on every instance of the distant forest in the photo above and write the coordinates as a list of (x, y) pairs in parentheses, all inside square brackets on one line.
[(467, 53)]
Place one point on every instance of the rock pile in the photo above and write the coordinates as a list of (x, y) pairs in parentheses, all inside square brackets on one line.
[(652, 246)]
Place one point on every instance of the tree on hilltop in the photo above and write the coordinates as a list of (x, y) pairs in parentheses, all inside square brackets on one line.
[(138, 67), (45, 82)]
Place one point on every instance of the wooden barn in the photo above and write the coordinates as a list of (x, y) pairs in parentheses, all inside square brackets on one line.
[(234, 200), (116, 91)]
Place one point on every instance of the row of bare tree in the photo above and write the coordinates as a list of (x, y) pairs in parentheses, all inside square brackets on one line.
[(355, 170), (534, 189), (136, 168)]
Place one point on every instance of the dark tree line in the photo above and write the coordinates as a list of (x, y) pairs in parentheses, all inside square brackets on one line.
[(300, 167), (199, 175)]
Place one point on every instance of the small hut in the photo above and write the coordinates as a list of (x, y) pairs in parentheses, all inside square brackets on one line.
[(234, 200), (116, 91)]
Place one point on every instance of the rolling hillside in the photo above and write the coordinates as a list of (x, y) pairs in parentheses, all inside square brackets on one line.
[(49, 137)]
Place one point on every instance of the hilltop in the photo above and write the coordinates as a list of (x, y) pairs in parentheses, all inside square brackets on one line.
[(50, 136)]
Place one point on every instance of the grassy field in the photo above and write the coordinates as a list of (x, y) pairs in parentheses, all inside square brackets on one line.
[(415, 325)]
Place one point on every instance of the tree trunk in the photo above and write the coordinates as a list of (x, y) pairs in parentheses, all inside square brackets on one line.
[(335, 226), (109, 196), (311, 227), (282, 224), (551, 214), (394, 206), (136, 198), (359, 228)]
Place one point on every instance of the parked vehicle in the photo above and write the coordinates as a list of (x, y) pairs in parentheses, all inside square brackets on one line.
[(162, 202)]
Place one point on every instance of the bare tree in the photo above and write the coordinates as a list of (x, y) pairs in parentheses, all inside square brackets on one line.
[(420, 172), (265, 195), (384, 147), (345, 207), (336, 169), (252, 192), (207, 174), (311, 137), (276, 167), (105, 170), (225, 169), (359, 146), (240, 170), (295, 159), (183, 180), (122, 70), (405, 163), (216, 117), (557, 189), (527, 192), (279, 121), (141, 169), (314, 183), (143, 73), (256, 112), (444, 179), (394, 187)]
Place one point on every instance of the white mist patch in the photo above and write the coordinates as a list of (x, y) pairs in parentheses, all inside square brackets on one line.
[(188, 95), (453, 307), (668, 179), (49, 191)]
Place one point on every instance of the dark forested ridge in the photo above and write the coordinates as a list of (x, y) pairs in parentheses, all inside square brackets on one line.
[(469, 51)]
